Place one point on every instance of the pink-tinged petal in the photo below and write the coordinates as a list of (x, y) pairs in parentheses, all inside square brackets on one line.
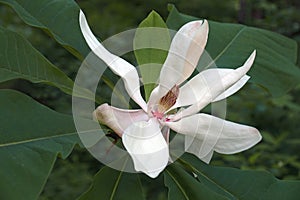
[(119, 66), (215, 86), (212, 133), (118, 119), (186, 48), (147, 147)]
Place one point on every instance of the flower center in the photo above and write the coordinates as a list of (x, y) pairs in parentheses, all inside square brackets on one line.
[(165, 103), (157, 114)]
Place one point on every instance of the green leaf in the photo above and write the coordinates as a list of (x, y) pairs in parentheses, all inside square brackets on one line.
[(151, 45), (31, 137), (229, 45), (283, 190), (111, 184), (184, 186), (58, 18), (19, 59), (242, 184)]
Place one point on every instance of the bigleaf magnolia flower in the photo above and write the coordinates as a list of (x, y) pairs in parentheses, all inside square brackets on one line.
[(145, 131)]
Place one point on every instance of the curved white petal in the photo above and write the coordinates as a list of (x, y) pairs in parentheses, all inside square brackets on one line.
[(147, 147), (186, 48), (233, 89), (200, 86), (206, 133), (236, 138), (119, 66), (215, 88), (118, 119)]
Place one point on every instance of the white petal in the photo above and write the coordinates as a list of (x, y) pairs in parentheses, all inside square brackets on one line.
[(147, 147), (215, 134), (165, 131), (186, 48), (119, 66), (154, 98), (233, 89), (208, 157), (198, 128), (199, 86), (214, 86), (166, 134), (236, 138), (118, 119), (193, 145)]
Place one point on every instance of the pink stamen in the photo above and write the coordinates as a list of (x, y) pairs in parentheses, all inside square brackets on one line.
[(157, 114)]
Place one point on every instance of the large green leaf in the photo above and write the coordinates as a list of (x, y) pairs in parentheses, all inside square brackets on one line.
[(242, 184), (151, 44), (19, 59), (112, 184), (183, 186), (31, 137), (59, 18), (229, 45)]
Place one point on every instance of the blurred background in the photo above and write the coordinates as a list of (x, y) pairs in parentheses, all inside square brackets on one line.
[(277, 118)]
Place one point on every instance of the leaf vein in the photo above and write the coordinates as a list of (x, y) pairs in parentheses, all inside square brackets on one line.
[(178, 184)]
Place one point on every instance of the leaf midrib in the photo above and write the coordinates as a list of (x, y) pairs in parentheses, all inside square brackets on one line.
[(178, 184), (209, 179), (116, 185), (219, 186), (41, 138), (36, 139), (226, 47), (118, 181), (34, 77)]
